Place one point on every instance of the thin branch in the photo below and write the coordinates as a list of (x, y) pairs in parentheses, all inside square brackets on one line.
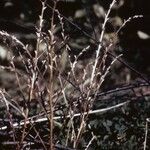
[(30, 120), (146, 133), (100, 40)]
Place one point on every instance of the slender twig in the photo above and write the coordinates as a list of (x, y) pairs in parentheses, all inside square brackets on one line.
[(146, 133), (30, 120), (98, 44), (100, 40), (92, 139), (52, 81)]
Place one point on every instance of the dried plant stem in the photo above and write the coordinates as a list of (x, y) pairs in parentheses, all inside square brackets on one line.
[(92, 139), (24, 130), (146, 133), (30, 120), (52, 79), (90, 142), (71, 123), (100, 41), (10, 118), (73, 134), (40, 138), (128, 20), (18, 80), (80, 131), (50, 93), (107, 71), (50, 89)]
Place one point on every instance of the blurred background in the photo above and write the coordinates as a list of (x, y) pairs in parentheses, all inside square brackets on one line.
[(21, 18)]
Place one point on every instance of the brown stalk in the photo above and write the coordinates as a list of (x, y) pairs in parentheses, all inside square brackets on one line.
[(51, 55)]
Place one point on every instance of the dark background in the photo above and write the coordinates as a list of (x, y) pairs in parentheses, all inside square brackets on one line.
[(22, 16)]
